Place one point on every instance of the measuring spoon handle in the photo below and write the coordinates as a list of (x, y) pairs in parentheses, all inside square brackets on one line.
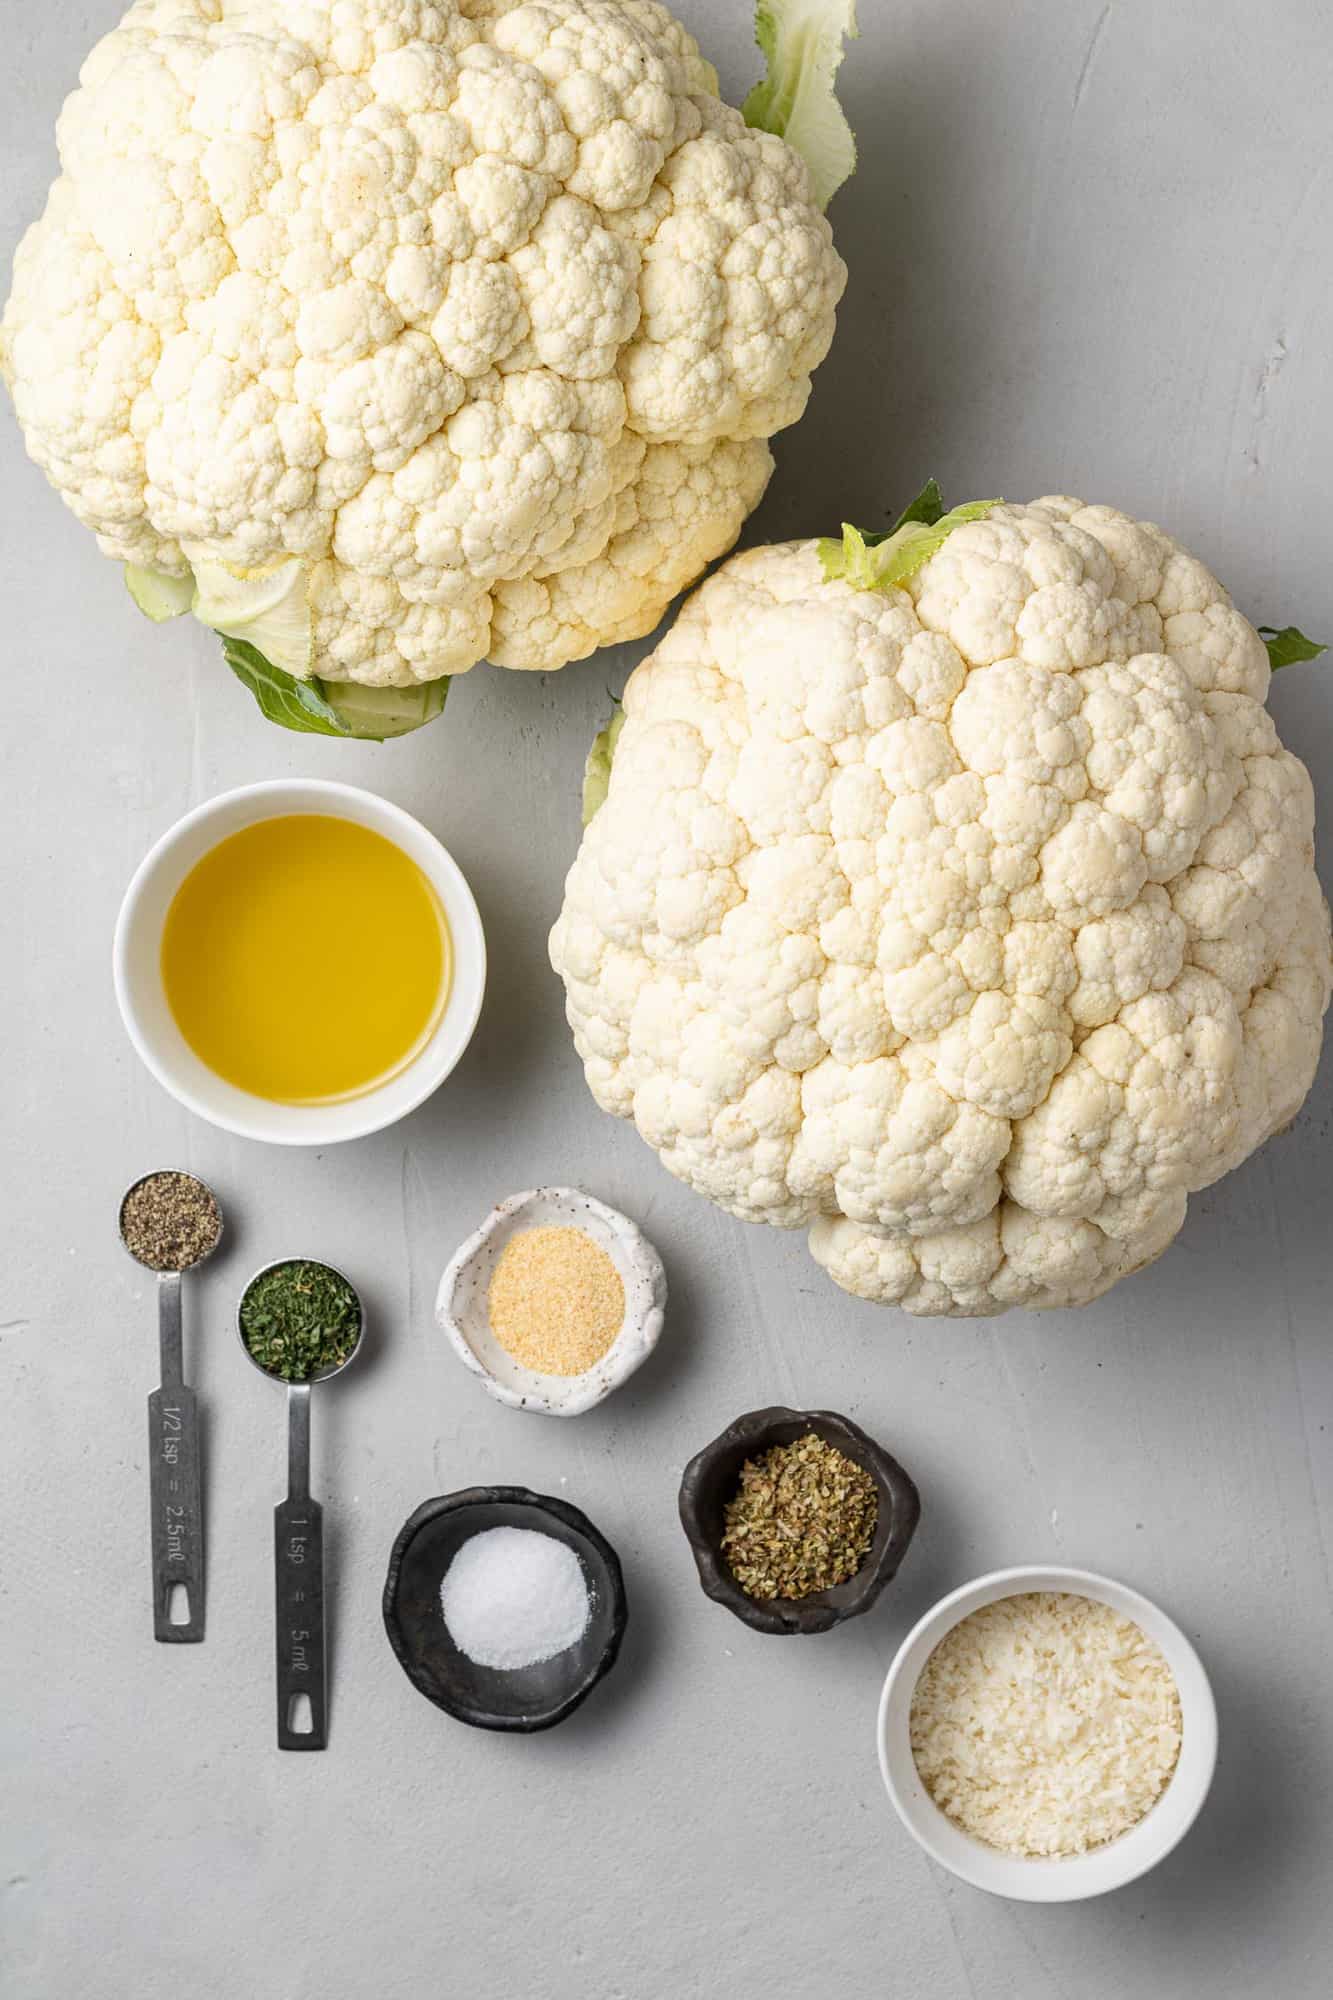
[(177, 1518), (298, 1565)]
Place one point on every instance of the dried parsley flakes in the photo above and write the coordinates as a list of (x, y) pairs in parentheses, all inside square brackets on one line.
[(300, 1320), (801, 1520)]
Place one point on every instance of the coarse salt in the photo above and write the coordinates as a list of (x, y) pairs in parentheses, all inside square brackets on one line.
[(514, 1596)]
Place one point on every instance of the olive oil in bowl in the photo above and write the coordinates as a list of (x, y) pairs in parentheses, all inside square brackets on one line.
[(306, 959)]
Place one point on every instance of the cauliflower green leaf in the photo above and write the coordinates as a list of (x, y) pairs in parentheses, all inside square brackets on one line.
[(803, 43), (876, 562), (1288, 647), (282, 697), (158, 595), (269, 609), (332, 708), (263, 620), (597, 770), (928, 507)]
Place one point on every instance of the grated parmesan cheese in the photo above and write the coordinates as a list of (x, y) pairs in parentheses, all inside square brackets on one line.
[(1045, 1724)]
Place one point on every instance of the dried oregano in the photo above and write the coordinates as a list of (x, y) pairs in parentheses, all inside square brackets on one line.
[(801, 1520)]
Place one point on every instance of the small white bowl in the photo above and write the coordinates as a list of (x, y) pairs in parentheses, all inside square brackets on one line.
[(1068, 1878), (147, 1015), (461, 1307)]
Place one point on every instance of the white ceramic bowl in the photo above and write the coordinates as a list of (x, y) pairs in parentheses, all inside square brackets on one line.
[(148, 1018), (1072, 1877), (462, 1311)]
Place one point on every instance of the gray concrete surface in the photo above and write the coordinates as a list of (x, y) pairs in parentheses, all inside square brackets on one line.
[(1090, 251)]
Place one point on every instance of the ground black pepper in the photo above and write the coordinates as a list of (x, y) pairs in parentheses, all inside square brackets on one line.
[(169, 1221)]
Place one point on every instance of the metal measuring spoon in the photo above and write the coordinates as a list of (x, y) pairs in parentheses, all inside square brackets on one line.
[(298, 1546), (176, 1503)]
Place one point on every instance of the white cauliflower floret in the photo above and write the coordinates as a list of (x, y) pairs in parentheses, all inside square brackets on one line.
[(485, 311), (972, 924)]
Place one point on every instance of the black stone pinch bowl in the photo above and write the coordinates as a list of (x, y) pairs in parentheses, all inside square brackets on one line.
[(712, 1476), (519, 1699)]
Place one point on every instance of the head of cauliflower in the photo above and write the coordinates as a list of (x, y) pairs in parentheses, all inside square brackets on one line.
[(456, 328), (972, 923)]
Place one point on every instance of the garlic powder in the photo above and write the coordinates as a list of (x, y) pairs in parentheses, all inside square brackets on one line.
[(556, 1300)]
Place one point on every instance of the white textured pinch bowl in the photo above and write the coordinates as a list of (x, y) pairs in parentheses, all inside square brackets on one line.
[(160, 1043), (1069, 1878), (462, 1309)]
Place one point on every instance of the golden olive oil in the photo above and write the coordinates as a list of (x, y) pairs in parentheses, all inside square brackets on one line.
[(306, 959)]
